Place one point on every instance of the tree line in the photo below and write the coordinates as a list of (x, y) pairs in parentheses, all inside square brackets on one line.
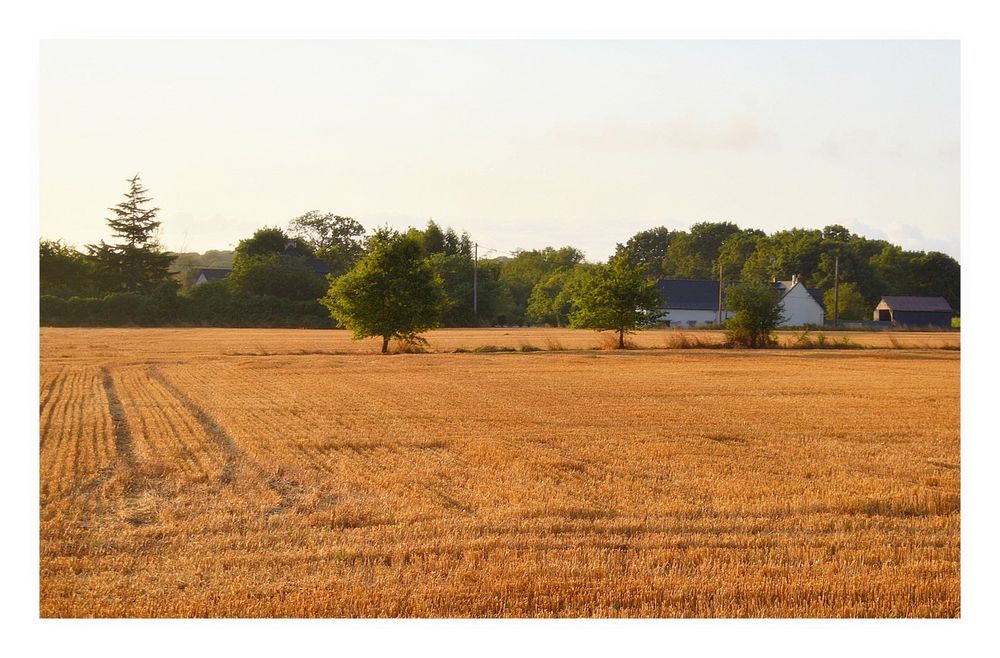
[(283, 276)]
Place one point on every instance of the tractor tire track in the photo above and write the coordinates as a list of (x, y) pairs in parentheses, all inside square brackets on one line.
[(234, 456), (236, 459), (123, 435)]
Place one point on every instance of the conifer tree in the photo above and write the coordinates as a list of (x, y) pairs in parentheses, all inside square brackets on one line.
[(135, 263)]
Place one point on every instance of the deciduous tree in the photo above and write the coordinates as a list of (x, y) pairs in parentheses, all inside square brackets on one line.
[(757, 312), (335, 239), (273, 263), (648, 248), (391, 293), (620, 298), (851, 303), (63, 271)]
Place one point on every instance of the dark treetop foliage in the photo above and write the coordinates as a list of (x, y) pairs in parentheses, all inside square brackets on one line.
[(648, 248), (337, 240), (63, 271), (272, 263), (135, 263), (520, 274), (693, 254), (554, 299), (847, 302), (392, 292), (620, 298), (447, 242)]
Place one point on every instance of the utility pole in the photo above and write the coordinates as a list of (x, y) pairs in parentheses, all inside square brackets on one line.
[(719, 311), (836, 290), (475, 284)]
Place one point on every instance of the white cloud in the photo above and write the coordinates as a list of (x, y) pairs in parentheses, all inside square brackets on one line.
[(906, 236)]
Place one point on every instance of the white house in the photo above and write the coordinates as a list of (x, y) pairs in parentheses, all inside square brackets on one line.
[(690, 303), (801, 305), (695, 303)]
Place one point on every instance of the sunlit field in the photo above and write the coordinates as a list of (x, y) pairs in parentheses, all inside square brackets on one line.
[(144, 344), (248, 473)]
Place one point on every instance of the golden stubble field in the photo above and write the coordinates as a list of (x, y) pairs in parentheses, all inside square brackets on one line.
[(213, 472)]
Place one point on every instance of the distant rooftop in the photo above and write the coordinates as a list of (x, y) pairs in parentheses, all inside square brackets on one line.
[(689, 294), (785, 286), (916, 303), (214, 273)]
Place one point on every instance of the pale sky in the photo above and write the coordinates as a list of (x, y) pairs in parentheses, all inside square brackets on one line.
[(523, 144)]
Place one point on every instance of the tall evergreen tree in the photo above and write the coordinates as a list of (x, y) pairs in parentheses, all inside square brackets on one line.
[(135, 263)]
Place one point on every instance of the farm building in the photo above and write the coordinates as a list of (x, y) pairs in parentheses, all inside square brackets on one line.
[(914, 311), (689, 303), (206, 274), (802, 306), (694, 303)]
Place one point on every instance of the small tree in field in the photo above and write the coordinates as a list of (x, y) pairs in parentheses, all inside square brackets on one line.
[(620, 298), (391, 292), (758, 311)]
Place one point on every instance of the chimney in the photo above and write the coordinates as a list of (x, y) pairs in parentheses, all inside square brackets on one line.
[(796, 278)]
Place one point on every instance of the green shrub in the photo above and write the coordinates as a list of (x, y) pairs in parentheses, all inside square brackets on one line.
[(210, 304), (122, 308), (757, 312), (83, 311), (52, 311)]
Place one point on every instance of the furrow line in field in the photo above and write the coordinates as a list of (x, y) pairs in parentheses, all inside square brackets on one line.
[(76, 405), (51, 451), (78, 457), (123, 435), (183, 433), (204, 451), (234, 455), (146, 415), (58, 381), (162, 426)]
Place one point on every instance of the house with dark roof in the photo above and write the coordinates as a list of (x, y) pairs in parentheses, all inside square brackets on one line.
[(206, 274), (694, 303), (801, 306), (914, 311), (689, 303)]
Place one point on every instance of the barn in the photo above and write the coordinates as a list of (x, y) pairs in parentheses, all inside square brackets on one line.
[(914, 311)]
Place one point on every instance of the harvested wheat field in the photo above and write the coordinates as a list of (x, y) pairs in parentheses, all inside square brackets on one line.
[(248, 473)]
